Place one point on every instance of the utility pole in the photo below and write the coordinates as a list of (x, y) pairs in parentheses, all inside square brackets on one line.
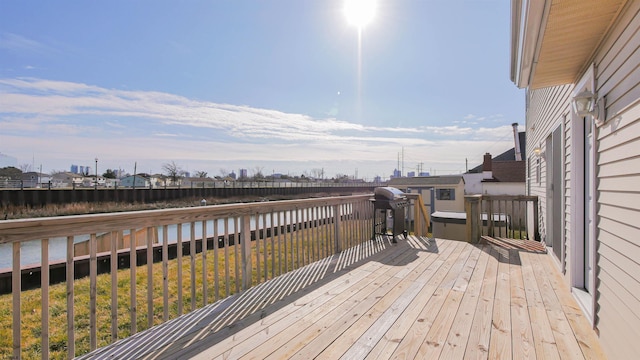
[(402, 160)]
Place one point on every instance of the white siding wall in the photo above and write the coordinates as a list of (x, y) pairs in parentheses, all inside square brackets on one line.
[(547, 110), (618, 188)]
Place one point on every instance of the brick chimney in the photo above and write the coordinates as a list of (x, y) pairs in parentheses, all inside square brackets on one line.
[(487, 172)]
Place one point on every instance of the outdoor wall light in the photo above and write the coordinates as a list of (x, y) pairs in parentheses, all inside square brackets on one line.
[(587, 103), (537, 151), (584, 103)]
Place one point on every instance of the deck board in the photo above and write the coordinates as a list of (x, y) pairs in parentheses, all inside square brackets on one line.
[(420, 298)]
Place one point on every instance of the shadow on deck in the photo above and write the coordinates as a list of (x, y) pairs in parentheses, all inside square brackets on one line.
[(420, 298)]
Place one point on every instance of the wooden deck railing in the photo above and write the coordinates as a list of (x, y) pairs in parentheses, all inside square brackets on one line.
[(158, 264), (173, 260), (418, 215), (506, 216)]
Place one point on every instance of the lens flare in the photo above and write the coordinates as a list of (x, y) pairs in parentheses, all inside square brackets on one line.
[(359, 13)]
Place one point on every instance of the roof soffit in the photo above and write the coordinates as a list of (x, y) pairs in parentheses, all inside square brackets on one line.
[(565, 37)]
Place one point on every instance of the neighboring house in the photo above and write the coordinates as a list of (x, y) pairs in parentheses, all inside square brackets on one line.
[(66, 179), (90, 181), (34, 179), (497, 178), (583, 165), (159, 180), (504, 174), (140, 181), (198, 182), (448, 190)]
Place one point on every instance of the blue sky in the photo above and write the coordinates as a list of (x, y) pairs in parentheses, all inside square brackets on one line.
[(277, 85)]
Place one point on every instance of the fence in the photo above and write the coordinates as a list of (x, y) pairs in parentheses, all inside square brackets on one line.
[(51, 195)]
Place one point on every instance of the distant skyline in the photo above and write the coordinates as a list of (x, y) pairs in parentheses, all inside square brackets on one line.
[(278, 85)]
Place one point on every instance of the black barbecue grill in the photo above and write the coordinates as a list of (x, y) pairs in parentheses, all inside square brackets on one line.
[(389, 202)]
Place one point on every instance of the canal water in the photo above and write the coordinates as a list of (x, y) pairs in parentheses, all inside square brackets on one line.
[(30, 251)]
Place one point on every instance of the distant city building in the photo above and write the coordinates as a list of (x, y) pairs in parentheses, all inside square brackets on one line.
[(411, 174), (243, 173), (377, 179), (424, 173), (396, 173), (74, 169), (232, 175)]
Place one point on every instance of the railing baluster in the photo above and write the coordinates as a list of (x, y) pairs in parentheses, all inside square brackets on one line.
[(216, 272), (179, 263), (16, 288), (286, 226), (192, 258), (336, 231), (236, 252), (150, 276), (264, 242), (291, 221), (93, 291), (245, 242), (273, 247), (204, 243), (44, 295), (227, 278), (315, 213), (113, 263), (258, 237), (165, 272), (132, 283), (71, 342)]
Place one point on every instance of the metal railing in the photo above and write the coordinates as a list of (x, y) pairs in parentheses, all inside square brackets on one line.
[(509, 216), (161, 263)]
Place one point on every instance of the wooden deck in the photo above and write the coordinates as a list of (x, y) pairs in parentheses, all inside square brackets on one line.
[(418, 299)]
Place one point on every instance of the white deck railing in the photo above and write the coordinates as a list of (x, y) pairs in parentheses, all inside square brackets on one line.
[(166, 270)]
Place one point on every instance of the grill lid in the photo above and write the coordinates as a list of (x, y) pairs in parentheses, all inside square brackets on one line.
[(388, 193)]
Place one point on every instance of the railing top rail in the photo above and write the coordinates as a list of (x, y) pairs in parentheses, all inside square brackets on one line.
[(510, 197), (59, 226)]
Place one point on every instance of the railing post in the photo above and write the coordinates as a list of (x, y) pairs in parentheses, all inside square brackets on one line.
[(337, 219), (245, 242), (474, 217)]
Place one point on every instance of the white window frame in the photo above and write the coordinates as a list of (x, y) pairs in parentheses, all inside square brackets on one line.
[(577, 278)]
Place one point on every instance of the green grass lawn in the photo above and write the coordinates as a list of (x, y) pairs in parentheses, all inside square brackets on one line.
[(31, 299)]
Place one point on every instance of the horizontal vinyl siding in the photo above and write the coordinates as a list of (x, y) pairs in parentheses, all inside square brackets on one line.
[(548, 108), (618, 188)]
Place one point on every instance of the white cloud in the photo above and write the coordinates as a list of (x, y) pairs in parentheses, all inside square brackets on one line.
[(123, 124)]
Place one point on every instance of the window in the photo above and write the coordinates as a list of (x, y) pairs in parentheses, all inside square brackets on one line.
[(446, 194)]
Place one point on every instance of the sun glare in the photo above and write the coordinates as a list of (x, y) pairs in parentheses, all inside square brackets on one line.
[(359, 13)]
